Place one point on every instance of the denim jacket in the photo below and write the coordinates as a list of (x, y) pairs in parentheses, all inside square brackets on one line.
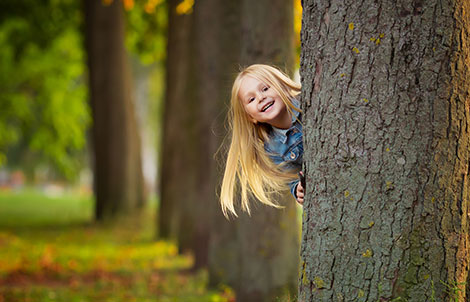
[(285, 146)]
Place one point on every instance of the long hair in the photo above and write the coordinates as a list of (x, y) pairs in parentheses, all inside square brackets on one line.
[(249, 170)]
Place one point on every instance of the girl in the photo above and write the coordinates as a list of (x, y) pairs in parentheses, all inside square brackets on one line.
[(266, 149)]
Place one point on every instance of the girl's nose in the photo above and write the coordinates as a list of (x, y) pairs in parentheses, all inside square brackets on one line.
[(260, 96)]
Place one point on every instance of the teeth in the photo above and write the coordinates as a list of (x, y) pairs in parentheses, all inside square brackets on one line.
[(267, 106)]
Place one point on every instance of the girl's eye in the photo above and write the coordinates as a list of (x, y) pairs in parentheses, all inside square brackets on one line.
[(265, 88), (251, 100)]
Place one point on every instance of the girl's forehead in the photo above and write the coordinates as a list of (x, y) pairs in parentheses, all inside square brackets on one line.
[(250, 79), (249, 84)]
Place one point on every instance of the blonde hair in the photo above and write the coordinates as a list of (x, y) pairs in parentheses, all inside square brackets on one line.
[(247, 160)]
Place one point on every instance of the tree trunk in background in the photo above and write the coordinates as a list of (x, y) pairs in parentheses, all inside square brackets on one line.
[(174, 171), (215, 58), (118, 175), (385, 88), (259, 255), (197, 79)]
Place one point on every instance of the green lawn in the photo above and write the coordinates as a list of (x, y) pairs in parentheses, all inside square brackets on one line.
[(31, 207), (50, 251)]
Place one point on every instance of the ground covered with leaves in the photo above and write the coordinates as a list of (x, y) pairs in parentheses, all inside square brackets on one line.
[(50, 251)]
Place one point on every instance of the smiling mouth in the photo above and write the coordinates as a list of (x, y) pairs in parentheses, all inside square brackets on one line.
[(268, 105)]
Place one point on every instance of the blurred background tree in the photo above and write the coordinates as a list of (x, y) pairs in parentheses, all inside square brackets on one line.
[(44, 109), (43, 101), (174, 176), (116, 142)]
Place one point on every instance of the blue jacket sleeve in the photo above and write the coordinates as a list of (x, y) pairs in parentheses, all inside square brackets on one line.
[(293, 187)]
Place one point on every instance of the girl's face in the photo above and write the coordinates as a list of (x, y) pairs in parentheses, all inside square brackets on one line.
[(263, 104)]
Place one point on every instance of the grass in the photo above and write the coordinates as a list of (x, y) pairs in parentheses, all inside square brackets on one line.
[(50, 251), (31, 207)]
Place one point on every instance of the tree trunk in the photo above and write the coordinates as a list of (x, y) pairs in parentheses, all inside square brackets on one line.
[(174, 171), (385, 89), (213, 60), (214, 49), (118, 174), (197, 79), (258, 255)]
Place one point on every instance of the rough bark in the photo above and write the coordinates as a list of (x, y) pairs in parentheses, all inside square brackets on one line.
[(118, 174), (385, 88), (173, 169), (258, 255)]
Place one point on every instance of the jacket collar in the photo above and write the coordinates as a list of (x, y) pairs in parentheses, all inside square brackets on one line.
[(281, 134)]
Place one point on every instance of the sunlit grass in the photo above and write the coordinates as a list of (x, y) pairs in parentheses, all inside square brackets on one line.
[(49, 258), (31, 207)]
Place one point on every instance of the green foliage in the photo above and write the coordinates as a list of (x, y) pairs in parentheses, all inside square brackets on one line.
[(43, 106), (44, 20), (85, 262), (146, 30), (146, 39)]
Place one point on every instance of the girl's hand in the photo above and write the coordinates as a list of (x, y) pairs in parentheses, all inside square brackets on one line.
[(300, 193)]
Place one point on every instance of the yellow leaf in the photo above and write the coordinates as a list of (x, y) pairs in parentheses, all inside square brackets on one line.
[(351, 26), (346, 193), (185, 7), (297, 18), (355, 50), (342, 75), (150, 6), (128, 4)]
